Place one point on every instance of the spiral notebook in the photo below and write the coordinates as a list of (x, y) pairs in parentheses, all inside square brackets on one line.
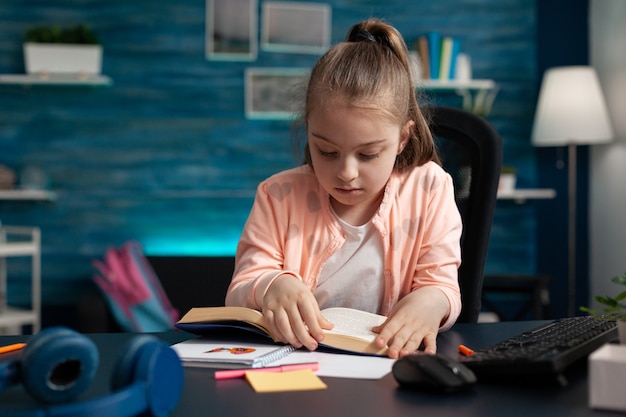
[(229, 354)]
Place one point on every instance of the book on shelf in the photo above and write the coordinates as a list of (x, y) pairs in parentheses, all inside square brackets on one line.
[(449, 51), (422, 49), (352, 331), (438, 55), (229, 353), (434, 50)]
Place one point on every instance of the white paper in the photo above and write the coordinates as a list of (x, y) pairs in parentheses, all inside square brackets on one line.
[(343, 365)]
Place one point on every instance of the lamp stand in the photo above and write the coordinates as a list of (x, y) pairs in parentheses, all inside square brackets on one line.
[(571, 192)]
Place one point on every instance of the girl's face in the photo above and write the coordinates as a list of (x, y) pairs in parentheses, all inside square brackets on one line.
[(353, 152)]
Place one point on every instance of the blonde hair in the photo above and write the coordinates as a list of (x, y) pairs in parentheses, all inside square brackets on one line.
[(371, 70)]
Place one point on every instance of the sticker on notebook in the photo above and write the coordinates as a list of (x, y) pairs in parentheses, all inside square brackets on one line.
[(233, 350)]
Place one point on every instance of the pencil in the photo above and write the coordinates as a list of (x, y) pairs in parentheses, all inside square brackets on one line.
[(238, 373), (12, 348)]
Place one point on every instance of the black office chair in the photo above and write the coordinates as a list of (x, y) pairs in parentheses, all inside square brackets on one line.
[(471, 152)]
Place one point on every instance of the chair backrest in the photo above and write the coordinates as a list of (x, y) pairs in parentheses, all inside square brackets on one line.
[(471, 152)]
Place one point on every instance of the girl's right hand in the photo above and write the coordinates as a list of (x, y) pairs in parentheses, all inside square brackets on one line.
[(292, 313)]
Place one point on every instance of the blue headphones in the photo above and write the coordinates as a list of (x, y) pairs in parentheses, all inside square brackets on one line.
[(58, 364)]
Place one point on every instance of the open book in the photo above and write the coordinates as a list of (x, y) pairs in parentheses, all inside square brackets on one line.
[(352, 332)]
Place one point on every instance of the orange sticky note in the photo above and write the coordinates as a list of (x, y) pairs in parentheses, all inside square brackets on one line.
[(303, 380)]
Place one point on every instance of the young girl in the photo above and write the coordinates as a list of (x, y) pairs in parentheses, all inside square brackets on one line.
[(369, 222)]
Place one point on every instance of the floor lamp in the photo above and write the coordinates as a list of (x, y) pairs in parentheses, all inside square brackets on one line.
[(571, 111)]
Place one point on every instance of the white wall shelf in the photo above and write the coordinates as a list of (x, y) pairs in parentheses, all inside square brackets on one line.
[(520, 195), (20, 241), (28, 195), (11, 319), (56, 79), (456, 84), (478, 95)]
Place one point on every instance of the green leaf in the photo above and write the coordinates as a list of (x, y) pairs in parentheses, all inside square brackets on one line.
[(80, 34), (608, 301), (611, 305), (619, 280)]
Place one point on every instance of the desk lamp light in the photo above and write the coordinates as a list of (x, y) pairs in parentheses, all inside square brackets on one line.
[(571, 111)]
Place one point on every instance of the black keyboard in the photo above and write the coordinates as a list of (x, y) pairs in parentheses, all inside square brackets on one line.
[(545, 351)]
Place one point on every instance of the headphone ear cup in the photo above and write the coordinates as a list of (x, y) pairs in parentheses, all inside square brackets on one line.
[(152, 362), (58, 364), (124, 371)]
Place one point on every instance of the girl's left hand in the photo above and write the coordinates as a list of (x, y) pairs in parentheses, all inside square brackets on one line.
[(414, 320)]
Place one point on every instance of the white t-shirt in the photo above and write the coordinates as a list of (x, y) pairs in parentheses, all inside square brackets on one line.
[(353, 276)]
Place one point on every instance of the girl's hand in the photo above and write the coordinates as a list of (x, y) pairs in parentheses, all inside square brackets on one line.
[(414, 320), (292, 313)]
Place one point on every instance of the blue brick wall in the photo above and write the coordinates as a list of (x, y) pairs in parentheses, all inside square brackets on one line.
[(166, 156)]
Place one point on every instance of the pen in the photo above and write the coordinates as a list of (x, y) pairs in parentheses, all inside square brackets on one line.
[(11, 348), (238, 373), (464, 350)]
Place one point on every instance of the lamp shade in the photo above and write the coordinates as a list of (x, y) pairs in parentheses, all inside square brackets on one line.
[(571, 109)]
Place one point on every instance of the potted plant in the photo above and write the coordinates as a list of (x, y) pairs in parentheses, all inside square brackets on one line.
[(50, 49), (613, 308)]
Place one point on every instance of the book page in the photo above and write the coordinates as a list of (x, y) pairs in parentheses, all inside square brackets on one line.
[(224, 314), (210, 314), (353, 322)]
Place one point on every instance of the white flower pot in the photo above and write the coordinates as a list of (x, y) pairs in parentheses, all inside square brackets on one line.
[(507, 182), (62, 58)]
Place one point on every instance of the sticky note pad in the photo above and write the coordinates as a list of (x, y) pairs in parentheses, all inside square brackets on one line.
[(303, 380)]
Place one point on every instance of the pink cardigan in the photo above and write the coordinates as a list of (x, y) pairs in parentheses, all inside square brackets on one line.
[(291, 230)]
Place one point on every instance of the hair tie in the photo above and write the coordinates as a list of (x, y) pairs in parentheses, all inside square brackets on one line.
[(362, 35)]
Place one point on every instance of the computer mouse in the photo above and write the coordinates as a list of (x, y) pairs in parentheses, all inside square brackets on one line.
[(434, 373)]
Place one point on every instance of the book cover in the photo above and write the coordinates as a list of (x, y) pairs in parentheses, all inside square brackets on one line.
[(455, 51), (446, 58), (422, 49), (434, 49), (352, 332)]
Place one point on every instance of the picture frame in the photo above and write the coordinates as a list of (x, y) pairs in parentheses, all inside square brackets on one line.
[(231, 30), (296, 27), (272, 93)]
